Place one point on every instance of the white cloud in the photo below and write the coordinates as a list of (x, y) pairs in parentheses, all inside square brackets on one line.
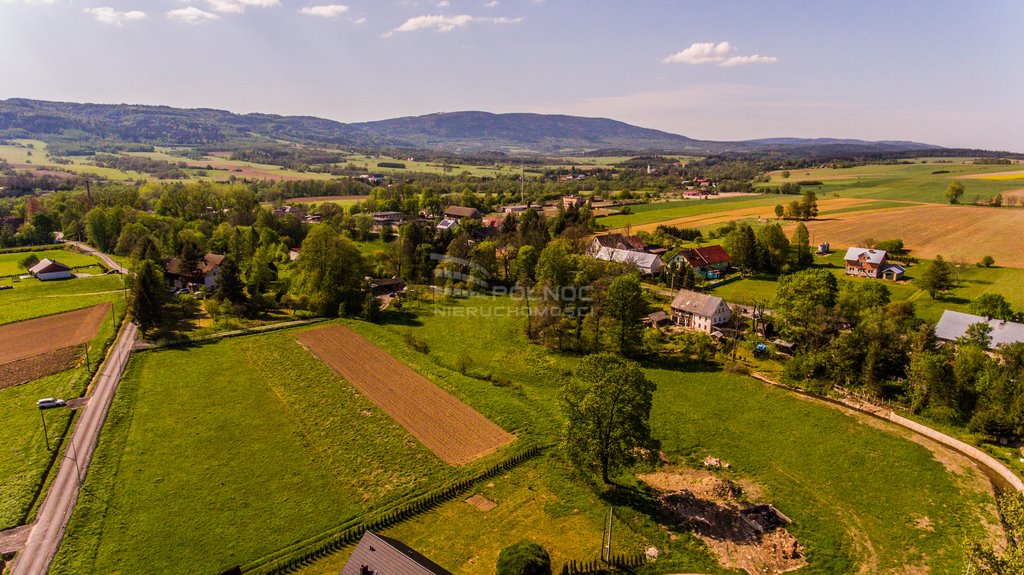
[(192, 15), (360, 20), (723, 54), (444, 4), (441, 23), (29, 2), (326, 11), (238, 6), (491, 4), (108, 15)]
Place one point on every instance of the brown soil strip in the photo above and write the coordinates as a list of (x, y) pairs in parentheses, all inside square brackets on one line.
[(32, 368), (454, 431), (33, 337)]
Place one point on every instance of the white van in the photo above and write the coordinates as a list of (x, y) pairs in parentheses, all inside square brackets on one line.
[(48, 402)]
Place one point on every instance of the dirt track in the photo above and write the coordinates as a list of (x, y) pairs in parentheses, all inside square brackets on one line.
[(33, 337), (454, 431)]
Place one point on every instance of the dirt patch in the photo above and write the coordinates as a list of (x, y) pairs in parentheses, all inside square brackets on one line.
[(32, 368), (482, 503), (923, 523), (33, 337), (753, 538), (454, 431)]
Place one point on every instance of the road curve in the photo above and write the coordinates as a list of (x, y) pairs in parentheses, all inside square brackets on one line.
[(55, 512), (107, 260)]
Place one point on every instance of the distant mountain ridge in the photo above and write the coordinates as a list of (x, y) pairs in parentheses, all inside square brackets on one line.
[(465, 132)]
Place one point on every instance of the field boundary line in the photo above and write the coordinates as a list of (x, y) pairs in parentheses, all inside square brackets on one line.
[(231, 333), (303, 553), (976, 455)]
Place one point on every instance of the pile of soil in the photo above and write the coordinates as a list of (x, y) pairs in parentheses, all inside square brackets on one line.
[(742, 536)]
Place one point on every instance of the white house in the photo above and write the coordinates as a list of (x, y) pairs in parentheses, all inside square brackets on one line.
[(700, 312), (48, 269), (647, 263)]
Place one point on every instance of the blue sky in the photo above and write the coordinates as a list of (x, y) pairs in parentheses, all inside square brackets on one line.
[(947, 73)]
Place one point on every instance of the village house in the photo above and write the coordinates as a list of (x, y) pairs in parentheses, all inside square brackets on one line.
[(296, 210), (710, 262), (206, 275), (953, 325), (520, 208), (647, 264), (48, 269), (615, 241), (700, 312), (379, 555), (454, 214), (382, 220), (868, 263), (573, 201)]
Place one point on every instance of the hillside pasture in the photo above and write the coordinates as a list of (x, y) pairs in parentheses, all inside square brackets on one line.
[(9, 262), (448, 427)]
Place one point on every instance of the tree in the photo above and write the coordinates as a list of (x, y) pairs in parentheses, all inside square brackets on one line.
[(977, 334), (775, 245), (741, 244), (992, 305), (955, 191), (809, 205), (28, 261), (804, 305), (229, 284), (330, 272), (625, 304), (937, 278), (988, 261), (191, 255), (147, 297), (607, 404), (802, 246), (779, 210), (524, 558)]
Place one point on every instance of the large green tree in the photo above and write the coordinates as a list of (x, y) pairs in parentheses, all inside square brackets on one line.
[(992, 305), (802, 246), (607, 406), (524, 558), (625, 304), (148, 295), (804, 305), (330, 273), (955, 191), (938, 278)]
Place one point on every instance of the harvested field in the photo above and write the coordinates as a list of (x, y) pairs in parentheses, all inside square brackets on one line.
[(33, 337), (32, 368), (454, 431), (1013, 175), (964, 233)]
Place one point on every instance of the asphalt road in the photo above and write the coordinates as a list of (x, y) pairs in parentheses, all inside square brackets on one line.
[(55, 512)]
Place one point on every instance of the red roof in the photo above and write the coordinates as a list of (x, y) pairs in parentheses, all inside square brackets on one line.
[(705, 256)]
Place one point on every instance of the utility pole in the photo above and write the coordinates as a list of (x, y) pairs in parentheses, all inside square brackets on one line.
[(46, 435), (522, 179), (606, 551), (88, 365)]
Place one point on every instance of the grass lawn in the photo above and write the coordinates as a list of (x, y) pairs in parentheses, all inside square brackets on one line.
[(9, 262), (662, 211), (24, 459), (218, 454), (32, 298)]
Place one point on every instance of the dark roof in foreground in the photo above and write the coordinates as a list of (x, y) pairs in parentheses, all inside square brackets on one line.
[(385, 556), (954, 324)]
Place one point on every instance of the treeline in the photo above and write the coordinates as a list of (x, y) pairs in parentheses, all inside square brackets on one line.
[(160, 169), (851, 334), (293, 157)]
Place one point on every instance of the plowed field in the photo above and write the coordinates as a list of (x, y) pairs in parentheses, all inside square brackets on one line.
[(32, 368), (33, 337), (454, 431)]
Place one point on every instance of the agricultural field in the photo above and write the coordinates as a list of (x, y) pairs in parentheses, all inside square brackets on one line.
[(918, 182), (9, 262), (25, 459), (33, 348), (343, 201), (449, 428), (37, 159), (32, 298), (649, 216)]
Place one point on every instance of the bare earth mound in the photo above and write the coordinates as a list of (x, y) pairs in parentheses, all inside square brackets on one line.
[(753, 538), (32, 368), (454, 431), (33, 337)]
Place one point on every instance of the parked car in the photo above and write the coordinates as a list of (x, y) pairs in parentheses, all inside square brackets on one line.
[(49, 402)]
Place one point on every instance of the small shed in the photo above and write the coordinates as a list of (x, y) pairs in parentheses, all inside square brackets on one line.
[(48, 269), (784, 346), (655, 319)]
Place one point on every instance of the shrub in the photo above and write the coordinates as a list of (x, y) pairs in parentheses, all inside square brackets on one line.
[(524, 558), (988, 261)]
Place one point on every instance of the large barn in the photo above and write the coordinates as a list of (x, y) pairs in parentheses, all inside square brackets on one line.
[(48, 269)]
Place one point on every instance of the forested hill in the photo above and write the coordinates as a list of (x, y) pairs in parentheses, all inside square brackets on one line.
[(86, 128)]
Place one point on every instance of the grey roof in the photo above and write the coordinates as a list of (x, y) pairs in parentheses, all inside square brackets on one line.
[(954, 324), (462, 212), (697, 303), (873, 256), (48, 266), (385, 556), (645, 261)]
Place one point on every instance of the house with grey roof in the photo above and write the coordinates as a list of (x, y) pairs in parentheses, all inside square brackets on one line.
[(953, 325), (48, 269), (379, 555), (700, 312), (648, 264), (868, 263)]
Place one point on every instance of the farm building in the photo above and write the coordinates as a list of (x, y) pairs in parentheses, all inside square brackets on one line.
[(615, 241), (207, 273), (710, 262), (647, 263), (379, 555), (954, 324), (868, 263), (460, 212), (700, 312), (573, 201), (48, 269), (520, 208), (655, 319)]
